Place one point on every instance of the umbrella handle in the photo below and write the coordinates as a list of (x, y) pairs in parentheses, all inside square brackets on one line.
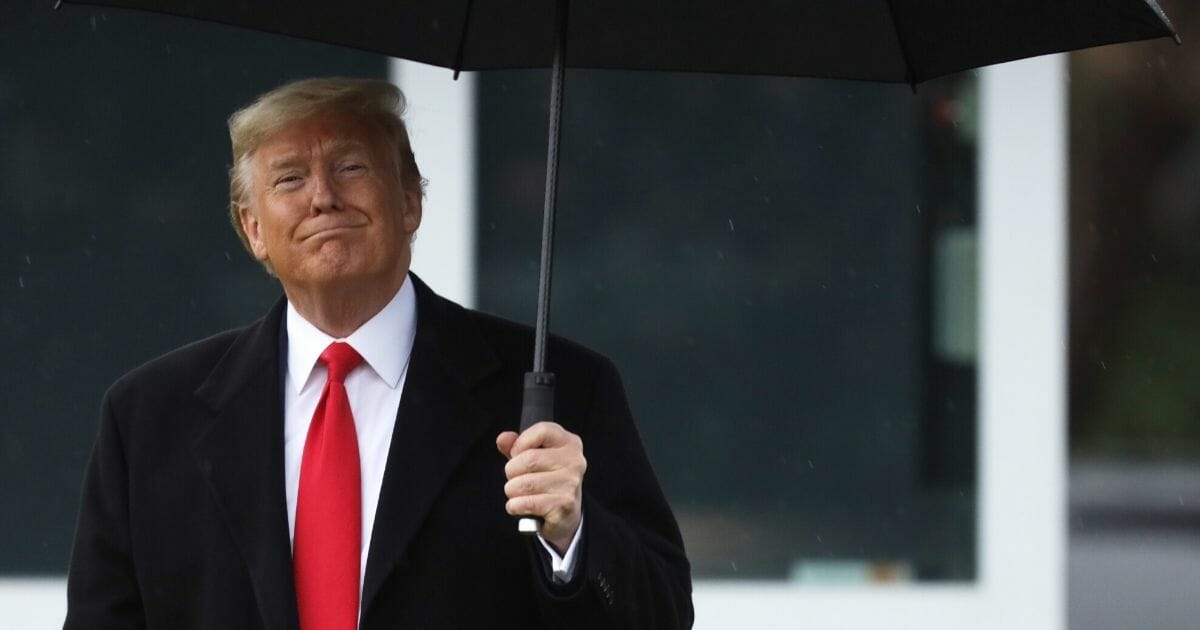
[(537, 405)]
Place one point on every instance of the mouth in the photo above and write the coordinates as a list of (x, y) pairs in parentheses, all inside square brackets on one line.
[(331, 230)]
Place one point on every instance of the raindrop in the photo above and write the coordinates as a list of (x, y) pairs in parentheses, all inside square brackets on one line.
[(819, 539), (228, 257), (810, 464), (731, 225), (918, 208), (720, 255), (27, 261), (1103, 365), (1153, 257), (733, 565), (21, 281)]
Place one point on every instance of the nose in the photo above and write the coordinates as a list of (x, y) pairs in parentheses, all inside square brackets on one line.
[(325, 197)]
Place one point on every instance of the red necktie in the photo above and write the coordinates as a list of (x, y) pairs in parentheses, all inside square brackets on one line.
[(327, 548)]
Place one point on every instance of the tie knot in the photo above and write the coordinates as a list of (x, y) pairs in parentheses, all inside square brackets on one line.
[(340, 359)]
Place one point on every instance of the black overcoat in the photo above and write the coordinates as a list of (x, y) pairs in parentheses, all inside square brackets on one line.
[(183, 523)]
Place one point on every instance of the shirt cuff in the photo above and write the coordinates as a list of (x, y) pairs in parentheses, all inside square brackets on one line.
[(562, 568)]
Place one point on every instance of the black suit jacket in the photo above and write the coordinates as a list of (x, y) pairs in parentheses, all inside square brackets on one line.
[(183, 522)]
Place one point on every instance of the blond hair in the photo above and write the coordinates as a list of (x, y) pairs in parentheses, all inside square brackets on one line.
[(371, 99)]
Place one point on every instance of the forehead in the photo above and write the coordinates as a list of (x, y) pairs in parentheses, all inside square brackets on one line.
[(321, 134)]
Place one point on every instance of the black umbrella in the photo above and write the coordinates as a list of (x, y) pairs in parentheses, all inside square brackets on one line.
[(899, 41)]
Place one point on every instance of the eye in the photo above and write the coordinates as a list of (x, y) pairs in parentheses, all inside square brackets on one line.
[(353, 167), (287, 179)]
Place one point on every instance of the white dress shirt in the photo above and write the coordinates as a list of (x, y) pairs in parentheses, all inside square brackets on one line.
[(385, 342)]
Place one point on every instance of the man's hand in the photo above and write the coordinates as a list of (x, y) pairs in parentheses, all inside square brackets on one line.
[(545, 479)]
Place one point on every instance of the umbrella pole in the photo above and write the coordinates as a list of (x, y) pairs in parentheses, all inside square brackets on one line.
[(558, 75), (538, 402)]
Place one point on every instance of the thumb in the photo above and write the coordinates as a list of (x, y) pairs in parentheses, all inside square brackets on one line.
[(504, 443)]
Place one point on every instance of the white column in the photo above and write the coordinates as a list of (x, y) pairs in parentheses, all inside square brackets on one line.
[(441, 124), (1023, 465)]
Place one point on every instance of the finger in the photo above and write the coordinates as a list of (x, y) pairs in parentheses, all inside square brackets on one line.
[(504, 443), (560, 482), (541, 434), (544, 460), (550, 508), (532, 461), (544, 435)]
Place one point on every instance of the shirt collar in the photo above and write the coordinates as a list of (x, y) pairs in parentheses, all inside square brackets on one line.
[(385, 341)]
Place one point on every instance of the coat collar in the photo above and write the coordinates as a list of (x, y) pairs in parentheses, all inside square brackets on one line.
[(240, 453)]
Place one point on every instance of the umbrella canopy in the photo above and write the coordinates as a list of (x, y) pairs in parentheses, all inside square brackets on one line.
[(905, 41)]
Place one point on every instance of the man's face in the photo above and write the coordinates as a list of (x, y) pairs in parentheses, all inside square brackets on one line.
[(326, 204)]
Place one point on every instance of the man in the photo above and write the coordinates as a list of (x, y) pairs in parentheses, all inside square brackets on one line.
[(348, 460)]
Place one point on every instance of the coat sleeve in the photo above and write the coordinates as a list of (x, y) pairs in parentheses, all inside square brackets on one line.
[(633, 572), (102, 588)]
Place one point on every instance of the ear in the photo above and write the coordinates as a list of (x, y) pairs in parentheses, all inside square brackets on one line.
[(250, 226), (412, 210)]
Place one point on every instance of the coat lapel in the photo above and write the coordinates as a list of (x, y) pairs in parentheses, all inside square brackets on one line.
[(438, 422), (240, 455)]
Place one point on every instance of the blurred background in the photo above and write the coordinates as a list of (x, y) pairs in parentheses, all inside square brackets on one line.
[(785, 270), (1135, 332)]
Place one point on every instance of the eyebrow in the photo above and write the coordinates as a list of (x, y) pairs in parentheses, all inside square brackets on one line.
[(337, 148)]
